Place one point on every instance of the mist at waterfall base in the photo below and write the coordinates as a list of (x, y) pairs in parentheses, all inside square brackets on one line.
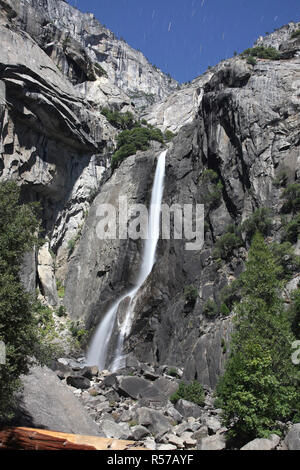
[(97, 352)]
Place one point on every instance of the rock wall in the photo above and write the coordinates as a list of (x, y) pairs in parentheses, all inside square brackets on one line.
[(246, 131), (241, 121), (126, 68)]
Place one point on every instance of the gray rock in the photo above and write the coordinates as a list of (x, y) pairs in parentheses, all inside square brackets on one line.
[(78, 381), (200, 433), (138, 387), (154, 420), (89, 372), (174, 414), (263, 444), (149, 443), (115, 430), (103, 407), (292, 439), (175, 440), (213, 424), (166, 386), (139, 432), (166, 447), (216, 442), (47, 403), (187, 409)]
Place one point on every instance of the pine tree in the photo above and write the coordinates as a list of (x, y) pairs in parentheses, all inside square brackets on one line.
[(20, 327), (259, 386)]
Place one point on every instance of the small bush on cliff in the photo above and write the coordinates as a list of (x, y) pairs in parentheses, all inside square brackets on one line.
[(294, 313), (262, 53), (295, 34), (231, 294), (259, 221), (211, 189), (130, 141), (169, 135), (191, 392), (251, 60), (22, 320), (291, 230), (260, 384), (210, 309), (285, 257), (119, 120), (291, 195), (190, 293), (226, 244)]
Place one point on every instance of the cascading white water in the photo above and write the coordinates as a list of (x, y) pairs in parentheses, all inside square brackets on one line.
[(97, 352)]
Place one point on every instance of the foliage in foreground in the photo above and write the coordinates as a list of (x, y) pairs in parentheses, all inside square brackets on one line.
[(191, 392), (24, 324), (259, 386)]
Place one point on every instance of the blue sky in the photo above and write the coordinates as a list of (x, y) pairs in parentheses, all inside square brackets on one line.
[(184, 37)]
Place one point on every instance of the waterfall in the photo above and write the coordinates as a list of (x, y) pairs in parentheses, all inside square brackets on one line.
[(97, 352)]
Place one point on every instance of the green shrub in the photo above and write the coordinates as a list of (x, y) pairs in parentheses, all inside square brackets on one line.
[(230, 294), (260, 385), (21, 320), (285, 257), (211, 189), (224, 310), (262, 53), (119, 120), (78, 332), (191, 392), (251, 60), (295, 34), (281, 179), (223, 346), (60, 289), (259, 221), (294, 313), (190, 293), (61, 311), (292, 198), (226, 244), (173, 372), (73, 241), (130, 141), (169, 135), (210, 308), (291, 231)]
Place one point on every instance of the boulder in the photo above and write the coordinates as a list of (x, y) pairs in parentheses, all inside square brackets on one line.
[(154, 420), (175, 440), (114, 430), (216, 442), (78, 381), (166, 386), (263, 444), (110, 380), (139, 388), (89, 372), (174, 414), (187, 409), (61, 369), (292, 439), (166, 447), (139, 432), (48, 403), (213, 424)]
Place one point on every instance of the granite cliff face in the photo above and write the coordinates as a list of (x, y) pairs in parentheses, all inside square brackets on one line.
[(239, 121)]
